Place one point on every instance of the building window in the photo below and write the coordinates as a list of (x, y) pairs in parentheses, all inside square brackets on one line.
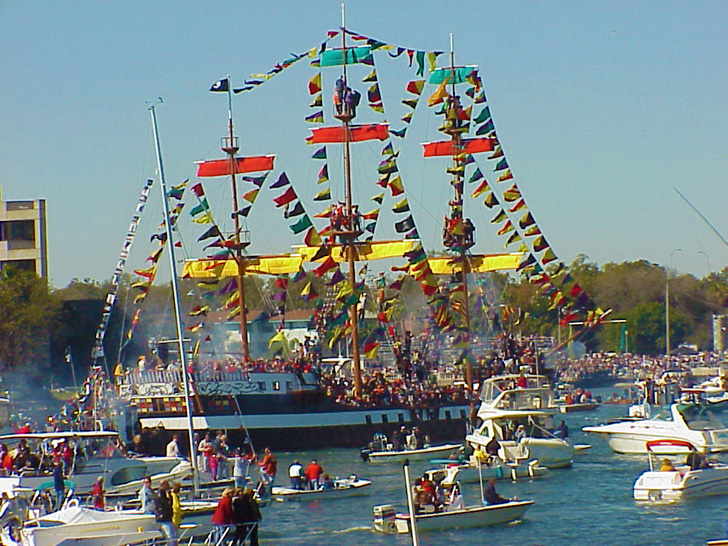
[(17, 230), (400, 416), (447, 415), (369, 419), (462, 414), (23, 265), (385, 419)]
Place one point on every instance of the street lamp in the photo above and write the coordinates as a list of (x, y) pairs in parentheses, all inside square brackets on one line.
[(707, 259), (667, 304)]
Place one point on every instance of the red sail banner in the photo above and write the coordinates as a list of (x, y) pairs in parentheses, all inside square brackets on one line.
[(470, 146), (221, 167), (357, 133)]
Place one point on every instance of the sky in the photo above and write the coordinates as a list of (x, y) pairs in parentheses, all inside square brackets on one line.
[(602, 110)]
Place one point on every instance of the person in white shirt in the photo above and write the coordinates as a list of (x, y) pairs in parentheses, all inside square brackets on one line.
[(295, 473), (173, 447)]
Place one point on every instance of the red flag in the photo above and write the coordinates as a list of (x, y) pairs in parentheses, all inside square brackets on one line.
[(327, 265), (469, 146), (286, 197), (357, 133), (221, 167)]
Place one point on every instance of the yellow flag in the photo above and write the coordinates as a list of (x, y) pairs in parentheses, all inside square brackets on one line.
[(440, 93)]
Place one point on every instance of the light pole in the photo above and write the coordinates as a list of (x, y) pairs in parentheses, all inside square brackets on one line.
[(667, 304), (707, 259)]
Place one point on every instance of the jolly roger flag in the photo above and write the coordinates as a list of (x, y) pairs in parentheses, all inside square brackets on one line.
[(405, 225), (221, 85)]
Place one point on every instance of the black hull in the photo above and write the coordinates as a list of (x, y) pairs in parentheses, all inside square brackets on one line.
[(305, 439)]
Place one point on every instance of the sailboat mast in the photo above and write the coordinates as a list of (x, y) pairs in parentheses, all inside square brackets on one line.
[(458, 185), (231, 148), (348, 241), (175, 298)]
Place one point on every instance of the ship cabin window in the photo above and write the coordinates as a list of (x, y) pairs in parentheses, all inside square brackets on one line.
[(536, 402), (448, 416), (261, 386), (400, 417), (128, 474), (385, 419), (369, 419), (289, 386), (276, 385), (158, 404), (462, 414)]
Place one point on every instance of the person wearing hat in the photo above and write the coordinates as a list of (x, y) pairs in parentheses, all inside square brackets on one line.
[(295, 473)]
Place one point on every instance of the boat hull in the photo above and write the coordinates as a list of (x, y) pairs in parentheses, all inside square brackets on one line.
[(657, 486), (412, 454), (353, 489), (476, 516)]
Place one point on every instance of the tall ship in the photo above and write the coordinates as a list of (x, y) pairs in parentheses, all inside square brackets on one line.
[(297, 402)]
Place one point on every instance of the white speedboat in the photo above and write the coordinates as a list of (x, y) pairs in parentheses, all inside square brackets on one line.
[(345, 487), (95, 454), (85, 527), (505, 407), (691, 423), (387, 520), (450, 514), (470, 471), (695, 478), (380, 450)]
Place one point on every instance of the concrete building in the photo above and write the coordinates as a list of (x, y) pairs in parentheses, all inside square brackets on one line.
[(23, 240)]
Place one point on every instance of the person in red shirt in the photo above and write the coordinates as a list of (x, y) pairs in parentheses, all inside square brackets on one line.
[(313, 474), (97, 492), (268, 467), (223, 515)]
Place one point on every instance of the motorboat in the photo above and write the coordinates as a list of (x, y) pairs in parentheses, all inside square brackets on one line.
[(387, 520), (577, 406), (95, 453), (668, 483), (471, 471), (451, 514), (693, 423), (382, 451), (84, 527), (344, 487), (509, 402)]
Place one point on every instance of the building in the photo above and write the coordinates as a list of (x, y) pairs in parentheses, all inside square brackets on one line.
[(23, 240)]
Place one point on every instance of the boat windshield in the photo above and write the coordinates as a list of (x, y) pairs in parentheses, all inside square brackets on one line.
[(699, 417)]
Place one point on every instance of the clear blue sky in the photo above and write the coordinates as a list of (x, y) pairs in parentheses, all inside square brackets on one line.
[(601, 107)]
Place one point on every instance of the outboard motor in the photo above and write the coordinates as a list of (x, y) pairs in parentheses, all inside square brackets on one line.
[(385, 518)]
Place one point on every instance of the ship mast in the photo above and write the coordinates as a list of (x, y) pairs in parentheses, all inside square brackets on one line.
[(175, 298), (348, 237), (464, 238), (230, 147)]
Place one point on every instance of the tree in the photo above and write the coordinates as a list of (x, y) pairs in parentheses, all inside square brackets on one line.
[(27, 309)]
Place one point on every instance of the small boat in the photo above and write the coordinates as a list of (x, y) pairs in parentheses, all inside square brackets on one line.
[(693, 423), (84, 527), (582, 406), (344, 487), (470, 473), (449, 516), (695, 478), (380, 451)]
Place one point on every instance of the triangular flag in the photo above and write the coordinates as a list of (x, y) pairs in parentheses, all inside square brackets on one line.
[(402, 206), (286, 197), (312, 237), (490, 200), (303, 224), (319, 154), (323, 195), (314, 84)]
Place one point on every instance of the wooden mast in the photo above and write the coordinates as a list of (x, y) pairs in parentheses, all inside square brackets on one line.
[(458, 212), (230, 147), (348, 240)]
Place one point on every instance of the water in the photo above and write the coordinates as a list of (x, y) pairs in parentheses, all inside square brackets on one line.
[(591, 502)]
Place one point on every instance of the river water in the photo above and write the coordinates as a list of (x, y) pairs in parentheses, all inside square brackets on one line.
[(588, 503)]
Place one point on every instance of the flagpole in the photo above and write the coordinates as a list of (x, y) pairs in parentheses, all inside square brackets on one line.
[(462, 238), (175, 299), (348, 239), (231, 148)]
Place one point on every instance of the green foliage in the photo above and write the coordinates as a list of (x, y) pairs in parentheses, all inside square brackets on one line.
[(27, 310)]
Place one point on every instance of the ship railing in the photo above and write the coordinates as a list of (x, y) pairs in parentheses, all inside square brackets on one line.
[(137, 377)]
